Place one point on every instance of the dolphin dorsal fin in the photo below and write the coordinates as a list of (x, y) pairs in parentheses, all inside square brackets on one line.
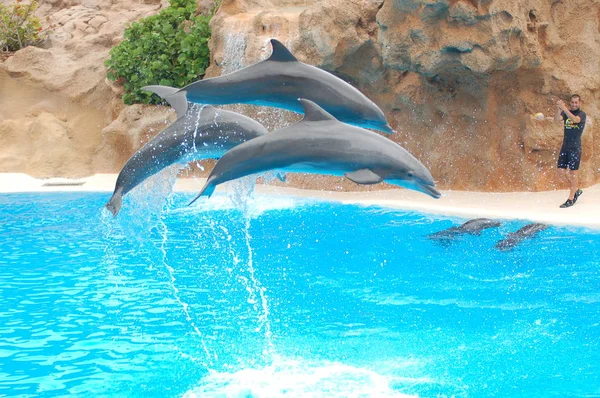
[(177, 98), (313, 112), (281, 53)]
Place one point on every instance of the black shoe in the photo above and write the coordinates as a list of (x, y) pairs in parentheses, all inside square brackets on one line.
[(568, 203), (577, 194)]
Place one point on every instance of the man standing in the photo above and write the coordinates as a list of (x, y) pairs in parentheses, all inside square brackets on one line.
[(570, 152)]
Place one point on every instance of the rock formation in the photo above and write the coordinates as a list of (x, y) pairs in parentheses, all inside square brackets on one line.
[(458, 79), (482, 68), (70, 70)]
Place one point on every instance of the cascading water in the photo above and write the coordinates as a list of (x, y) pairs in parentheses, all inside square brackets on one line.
[(235, 46), (233, 60)]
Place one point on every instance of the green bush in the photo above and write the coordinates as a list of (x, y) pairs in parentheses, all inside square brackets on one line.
[(19, 27), (170, 49)]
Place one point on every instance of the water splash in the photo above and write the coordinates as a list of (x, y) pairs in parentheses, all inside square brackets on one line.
[(257, 205), (109, 239), (241, 193), (184, 306), (197, 127), (136, 222), (263, 311), (299, 378), (155, 194)]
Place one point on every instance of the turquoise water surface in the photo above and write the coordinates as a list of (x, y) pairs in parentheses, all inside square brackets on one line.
[(287, 297)]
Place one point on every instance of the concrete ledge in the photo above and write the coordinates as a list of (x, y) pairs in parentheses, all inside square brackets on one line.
[(534, 206)]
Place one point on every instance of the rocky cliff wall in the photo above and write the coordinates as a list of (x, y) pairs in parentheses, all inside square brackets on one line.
[(66, 79), (476, 70), (458, 80)]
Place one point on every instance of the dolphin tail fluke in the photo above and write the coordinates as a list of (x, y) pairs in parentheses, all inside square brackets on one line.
[(177, 98), (115, 202), (207, 190)]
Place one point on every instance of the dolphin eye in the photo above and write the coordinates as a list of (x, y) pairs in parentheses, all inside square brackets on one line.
[(410, 174)]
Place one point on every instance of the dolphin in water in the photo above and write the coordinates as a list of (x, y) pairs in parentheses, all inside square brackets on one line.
[(529, 231), (198, 133), (471, 227), (279, 81), (320, 144)]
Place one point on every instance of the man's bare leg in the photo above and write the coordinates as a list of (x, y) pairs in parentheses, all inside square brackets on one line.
[(563, 175), (571, 177), (573, 183)]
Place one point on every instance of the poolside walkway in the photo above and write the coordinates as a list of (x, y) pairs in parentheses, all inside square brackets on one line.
[(534, 206)]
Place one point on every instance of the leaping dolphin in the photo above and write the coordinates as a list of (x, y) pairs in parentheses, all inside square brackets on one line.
[(198, 133), (320, 144), (278, 82), (529, 231)]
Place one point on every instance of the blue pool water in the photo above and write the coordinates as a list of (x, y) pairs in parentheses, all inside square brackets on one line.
[(287, 298)]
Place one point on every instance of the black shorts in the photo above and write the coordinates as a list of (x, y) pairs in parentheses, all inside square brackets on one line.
[(569, 158)]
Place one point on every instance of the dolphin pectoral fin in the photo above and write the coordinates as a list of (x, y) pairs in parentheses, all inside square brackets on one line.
[(281, 53), (207, 190), (387, 129), (281, 177), (364, 176), (175, 97)]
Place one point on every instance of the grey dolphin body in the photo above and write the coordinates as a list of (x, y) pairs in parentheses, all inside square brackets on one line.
[(320, 144), (527, 232), (279, 81), (201, 133), (471, 227)]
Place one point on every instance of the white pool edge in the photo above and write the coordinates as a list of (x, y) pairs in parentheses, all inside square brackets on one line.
[(533, 206)]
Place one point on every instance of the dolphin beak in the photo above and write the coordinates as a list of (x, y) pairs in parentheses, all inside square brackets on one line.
[(431, 190)]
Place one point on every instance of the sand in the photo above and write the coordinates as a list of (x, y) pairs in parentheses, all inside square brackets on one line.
[(533, 206)]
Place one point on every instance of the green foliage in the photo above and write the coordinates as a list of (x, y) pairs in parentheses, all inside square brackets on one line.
[(215, 7), (19, 27), (170, 49)]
